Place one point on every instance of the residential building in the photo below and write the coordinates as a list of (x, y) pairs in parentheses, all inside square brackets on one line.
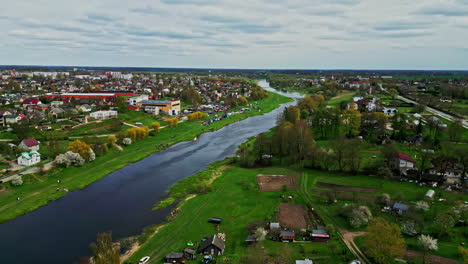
[(403, 162), (29, 158), (104, 114), (136, 99), (29, 144), (213, 245)]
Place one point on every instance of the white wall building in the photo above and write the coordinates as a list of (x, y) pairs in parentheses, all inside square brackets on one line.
[(134, 100), (103, 114), (29, 158)]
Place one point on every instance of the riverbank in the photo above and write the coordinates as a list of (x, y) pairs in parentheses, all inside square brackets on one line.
[(34, 194)]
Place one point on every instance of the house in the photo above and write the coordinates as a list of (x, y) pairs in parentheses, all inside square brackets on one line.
[(136, 99), (11, 119), (151, 109), (85, 108), (190, 254), (29, 158), (174, 258), (357, 98), (29, 144), (287, 236), (305, 261), (56, 112), (30, 101), (103, 114), (400, 208), (213, 245), (402, 162), (451, 173), (389, 111)]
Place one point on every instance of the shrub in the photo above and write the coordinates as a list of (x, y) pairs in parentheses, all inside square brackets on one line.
[(127, 141), (422, 206), (196, 116), (409, 228), (156, 126), (173, 122), (112, 139), (17, 181), (357, 215), (83, 149), (384, 199), (70, 159)]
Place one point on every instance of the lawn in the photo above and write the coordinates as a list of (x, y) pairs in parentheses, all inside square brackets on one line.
[(344, 96), (40, 192), (236, 199), (132, 117)]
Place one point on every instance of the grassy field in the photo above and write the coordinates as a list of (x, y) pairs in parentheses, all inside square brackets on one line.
[(40, 190), (408, 193), (344, 96), (235, 198)]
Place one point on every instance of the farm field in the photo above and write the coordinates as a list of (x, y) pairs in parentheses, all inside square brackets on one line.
[(235, 198), (344, 96)]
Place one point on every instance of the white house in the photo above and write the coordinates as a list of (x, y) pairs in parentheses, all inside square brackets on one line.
[(85, 108), (29, 144), (403, 162), (29, 158), (103, 114), (136, 99), (357, 98)]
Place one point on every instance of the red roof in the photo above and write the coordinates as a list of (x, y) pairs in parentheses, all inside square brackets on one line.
[(31, 101), (22, 116), (30, 142), (404, 156)]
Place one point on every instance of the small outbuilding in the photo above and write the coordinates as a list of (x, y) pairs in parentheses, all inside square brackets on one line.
[(190, 253), (174, 257), (287, 236), (429, 195), (274, 226), (320, 235), (305, 261), (400, 208), (215, 220)]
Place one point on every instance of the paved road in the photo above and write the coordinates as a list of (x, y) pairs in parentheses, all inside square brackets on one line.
[(431, 110), (435, 111)]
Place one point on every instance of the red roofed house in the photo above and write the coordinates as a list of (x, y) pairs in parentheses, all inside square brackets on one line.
[(403, 162), (30, 101), (29, 144)]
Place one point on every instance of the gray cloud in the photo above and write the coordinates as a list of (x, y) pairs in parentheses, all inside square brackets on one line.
[(443, 11), (401, 25)]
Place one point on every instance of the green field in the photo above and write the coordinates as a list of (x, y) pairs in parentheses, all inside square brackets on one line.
[(236, 199), (344, 96), (40, 190)]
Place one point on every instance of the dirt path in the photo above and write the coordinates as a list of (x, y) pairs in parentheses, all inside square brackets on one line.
[(348, 239)]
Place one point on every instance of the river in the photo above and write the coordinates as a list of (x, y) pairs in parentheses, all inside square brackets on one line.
[(61, 231)]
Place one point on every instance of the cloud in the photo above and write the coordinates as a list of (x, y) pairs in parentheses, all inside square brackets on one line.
[(443, 11), (189, 2), (401, 25)]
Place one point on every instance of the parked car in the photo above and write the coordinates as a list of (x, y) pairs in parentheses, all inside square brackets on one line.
[(144, 260)]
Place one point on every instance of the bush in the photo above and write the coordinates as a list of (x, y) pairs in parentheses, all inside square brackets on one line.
[(126, 141), (422, 206), (384, 172), (17, 181), (409, 228), (357, 216), (384, 199), (196, 116), (70, 159)]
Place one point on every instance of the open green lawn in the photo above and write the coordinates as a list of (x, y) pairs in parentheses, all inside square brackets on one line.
[(133, 117), (344, 96), (39, 192), (236, 199)]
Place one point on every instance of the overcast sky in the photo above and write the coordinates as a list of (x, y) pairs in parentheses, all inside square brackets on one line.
[(299, 34)]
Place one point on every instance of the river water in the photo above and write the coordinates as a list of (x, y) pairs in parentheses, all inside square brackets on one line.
[(61, 231)]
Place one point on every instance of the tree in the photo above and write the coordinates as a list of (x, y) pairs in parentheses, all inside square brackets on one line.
[(444, 224), (384, 241), (463, 252), (112, 139), (311, 103), (173, 121), (22, 129), (427, 243), (351, 122), (243, 100), (69, 158), (393, 92), (455, 130), (121, 104), (156, 126), (292, 114), (83, 149), (17, 181), (104, 250), (357, 215)]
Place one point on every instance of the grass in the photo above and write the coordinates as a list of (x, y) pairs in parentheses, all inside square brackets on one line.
[(38, 193), (343, 96), (237, 200), (133, 117)]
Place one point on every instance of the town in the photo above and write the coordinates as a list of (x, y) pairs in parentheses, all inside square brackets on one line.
[(356, 157)]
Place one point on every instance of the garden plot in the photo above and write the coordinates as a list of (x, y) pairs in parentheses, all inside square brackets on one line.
[(274, 183), (345, 188), (292, 216)]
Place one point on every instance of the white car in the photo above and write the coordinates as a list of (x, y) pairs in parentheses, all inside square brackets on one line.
[(144, 260)]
